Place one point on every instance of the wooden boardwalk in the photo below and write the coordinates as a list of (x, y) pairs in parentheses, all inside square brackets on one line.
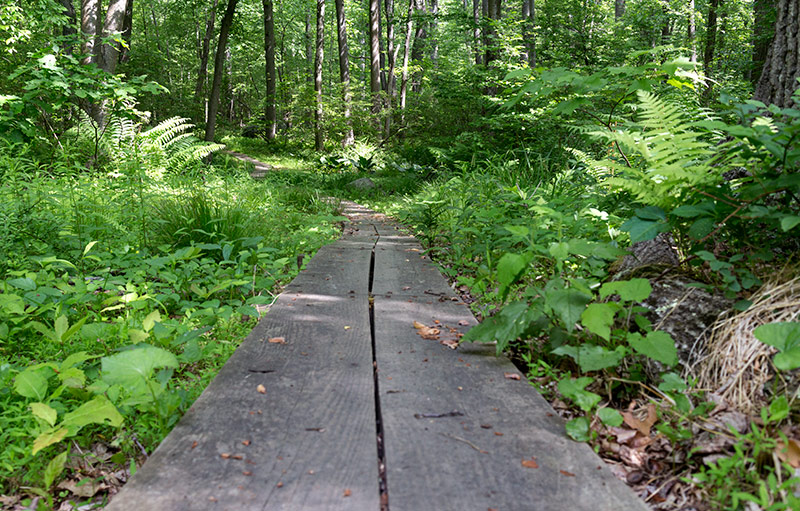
[(336, 402)]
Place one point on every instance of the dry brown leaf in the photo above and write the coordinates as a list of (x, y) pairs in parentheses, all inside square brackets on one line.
[(261, 389), (347, 492), (531, 463), (450, 343), (789, 453), (511, 376), (85, 488), (245, 442), (418, 325), (247, 473), (568, 474), (429, 333), (277, 340), (225, 455), (643, 426), (194, 444), (463, 322)]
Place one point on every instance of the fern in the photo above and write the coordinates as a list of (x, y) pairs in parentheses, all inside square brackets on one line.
[(668, 155)]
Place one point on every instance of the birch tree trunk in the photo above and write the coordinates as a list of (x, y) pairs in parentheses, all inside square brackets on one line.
[(90, 27), (406, 56), (319, 142), (344, 71), (375, 55)]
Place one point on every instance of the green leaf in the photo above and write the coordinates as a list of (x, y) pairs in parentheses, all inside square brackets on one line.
[(643, 230), (23, 283), (559, 251), (61, 326), (598, 318), (610, 417), (789, 222), (509, 267), (701, 228), (672, 382), (657, 345), (505, 326), (690, 211), (97, 411), (54, 469), (149, 322), (75, 359), (48, 438), (137, 335), (12, 304), (72, 378), (788, 360), (651, 213), (45, 413), (634, 290), (781, 335), (592, 358), (568, 305), (578, 429), (134, 367), (31, 383), (572, 388)]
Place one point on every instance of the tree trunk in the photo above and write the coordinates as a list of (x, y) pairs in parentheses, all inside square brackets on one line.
[(477, 40), (344, 71), (375, 55), (434, 10), (619, 9), (219, 68), (781, 71), (115, 19), (494, 10), (269, 58), (319, 144), (764, 16), (90, 27), (391, 55), (528, 32), (69, 29), (692, 32), (711, 37), (406, 56), (309, 47), (418, 48), (127, 32), (203, 71)]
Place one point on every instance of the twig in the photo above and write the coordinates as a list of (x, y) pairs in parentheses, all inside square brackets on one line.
[(465, 441)]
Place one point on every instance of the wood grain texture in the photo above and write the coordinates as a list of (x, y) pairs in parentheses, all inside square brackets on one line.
[(311, 435), (460, 462), (402, 268), (336, 270)]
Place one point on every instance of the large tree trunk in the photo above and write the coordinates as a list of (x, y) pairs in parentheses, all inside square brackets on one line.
[(204, 52), (711, 36), (115, 19), (764, 16), (219, 68), (619, 9), (344, 70), (375, 55), (528, 33), (477, 40), (319, 143), (69, 28), (406, 57), (434, 10), (127, 32), (90, 28), (269, 58), (778, 79), (494, 9), (418, 48), (391, 54), (692, 32)]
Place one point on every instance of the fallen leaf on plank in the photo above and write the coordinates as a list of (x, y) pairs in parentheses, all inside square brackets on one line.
[(568, 474), (531, 463), (463, 322), (450, 344), (347, 492), (277, 340), (261, 389), (511, 376), (419, 325)]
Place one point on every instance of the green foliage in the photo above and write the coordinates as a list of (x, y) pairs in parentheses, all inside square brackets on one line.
[(785, 337)]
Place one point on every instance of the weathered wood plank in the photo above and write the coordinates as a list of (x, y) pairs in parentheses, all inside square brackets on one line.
[(402, 268), (337, 270), (311, 434), (474, 460)]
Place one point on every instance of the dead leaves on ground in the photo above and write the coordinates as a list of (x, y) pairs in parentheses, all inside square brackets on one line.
[(277, 340), (452, 336)]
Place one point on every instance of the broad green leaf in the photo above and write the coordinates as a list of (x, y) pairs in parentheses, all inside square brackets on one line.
[(610, 417), (23, 283), (651, 213), (137, 335), (701, 228), (73, 378), (31, 383), (505, 326), (89, 247), (134, 367), (559, 251), (578, 429), (518, 230), (97, 411), (634, 290), (671, 382), (597, 358), (657, 345), (572, 388), (789, 222), (54, 469), (598, 318), (509, 267), (781, 335), (75, 359), (788, 360), (48, 438), (691, 211), (44, 412), (150, 321), (568, 305), (12, 304), (643, 230), (61, 326)]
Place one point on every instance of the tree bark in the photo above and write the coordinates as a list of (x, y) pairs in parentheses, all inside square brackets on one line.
[(391, 55), (375, 55), (528, 32), (477, 40), (219, 68), (319, 143), (269, 59), (205, 50), (344, 71), (417, 49), (406, 56), (619, 9), (434, 10), (764, 16), (781, 71), (90, 27), (494, 9), (69, 29), (691, 33), (127, 32), (115, 19), (711, 37)]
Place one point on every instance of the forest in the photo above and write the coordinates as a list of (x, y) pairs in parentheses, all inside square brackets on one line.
[(612, 186)]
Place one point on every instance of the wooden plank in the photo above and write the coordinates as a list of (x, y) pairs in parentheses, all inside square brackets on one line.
[(401, 268), (337, 270), (311, 434), (462, 461)]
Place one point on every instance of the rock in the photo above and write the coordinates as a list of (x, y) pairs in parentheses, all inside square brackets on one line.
[(364, 183), (684, 312), (658, 251)]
